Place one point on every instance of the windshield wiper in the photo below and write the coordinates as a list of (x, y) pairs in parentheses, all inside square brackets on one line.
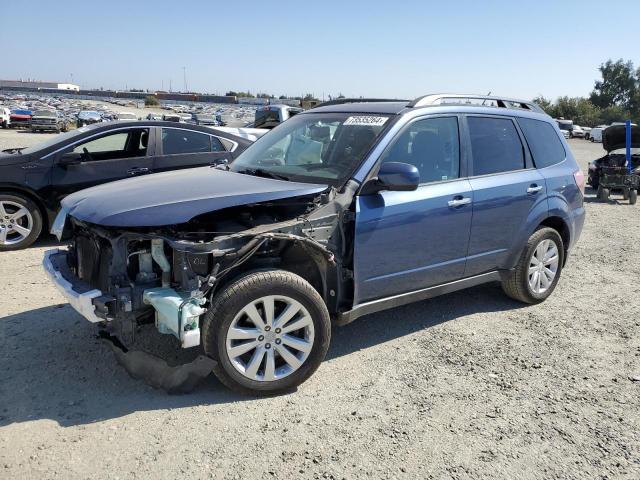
[(260, 172)]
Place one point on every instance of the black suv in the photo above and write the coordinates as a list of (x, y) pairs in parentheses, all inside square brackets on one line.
[(34, 180)]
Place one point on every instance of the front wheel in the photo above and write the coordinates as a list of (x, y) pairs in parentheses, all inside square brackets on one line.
[(20, 222), (633, 197), (268, 332), (538, 270)]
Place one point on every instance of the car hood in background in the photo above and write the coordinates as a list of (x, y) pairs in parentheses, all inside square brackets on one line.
[(176, 197), (614, 137)]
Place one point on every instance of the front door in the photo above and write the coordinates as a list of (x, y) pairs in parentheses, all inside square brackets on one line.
[(406, 241), (113, 156)]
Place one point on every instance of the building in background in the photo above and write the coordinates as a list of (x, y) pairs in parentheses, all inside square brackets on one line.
[(39, 85)]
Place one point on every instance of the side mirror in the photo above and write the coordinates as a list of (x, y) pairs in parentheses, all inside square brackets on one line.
[(70, 158), (393, 176)]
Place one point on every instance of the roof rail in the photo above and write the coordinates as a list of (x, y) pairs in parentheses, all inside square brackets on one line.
[(474, 100), (340, 101)]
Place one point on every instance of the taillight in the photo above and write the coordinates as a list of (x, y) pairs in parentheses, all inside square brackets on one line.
[(579, 178)]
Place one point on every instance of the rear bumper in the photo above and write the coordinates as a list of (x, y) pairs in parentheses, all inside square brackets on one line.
[(79, 296)]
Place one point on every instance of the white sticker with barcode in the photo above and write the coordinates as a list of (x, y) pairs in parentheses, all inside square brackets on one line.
[(366, 120)]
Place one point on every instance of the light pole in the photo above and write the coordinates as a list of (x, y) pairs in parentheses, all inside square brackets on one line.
[(184, 73)]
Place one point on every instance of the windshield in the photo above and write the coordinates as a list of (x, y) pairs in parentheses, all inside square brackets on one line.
[(565, 126), (44, 113), (316, 148)]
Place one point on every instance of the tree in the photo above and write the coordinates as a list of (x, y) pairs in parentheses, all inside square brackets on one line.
[(151, 101), (618, 86), (310, 96)]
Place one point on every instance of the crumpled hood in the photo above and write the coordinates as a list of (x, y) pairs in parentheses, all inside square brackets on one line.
[(176, 197), (614, 137)]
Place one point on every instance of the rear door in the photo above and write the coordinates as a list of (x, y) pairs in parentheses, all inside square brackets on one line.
[(507, 192), (114, 155), (183, 148), (405, 241)]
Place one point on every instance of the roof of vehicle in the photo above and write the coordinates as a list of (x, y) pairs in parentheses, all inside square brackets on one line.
[(390, 108), (443, 102)]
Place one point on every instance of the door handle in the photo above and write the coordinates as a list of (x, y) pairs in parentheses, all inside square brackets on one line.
[(459, 201), (534, 188), (138, 170)]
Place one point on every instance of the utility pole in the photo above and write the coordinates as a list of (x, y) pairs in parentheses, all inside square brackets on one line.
[(169, 85), (184, 73)]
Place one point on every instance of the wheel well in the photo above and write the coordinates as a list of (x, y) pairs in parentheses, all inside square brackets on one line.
[(34, 198), (560, 226)]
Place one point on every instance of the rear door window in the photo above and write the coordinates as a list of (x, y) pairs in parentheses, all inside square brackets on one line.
[(177, 141), (543, 142), (495, 145)]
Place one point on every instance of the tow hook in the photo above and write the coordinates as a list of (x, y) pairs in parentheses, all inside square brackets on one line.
[(155, 371)]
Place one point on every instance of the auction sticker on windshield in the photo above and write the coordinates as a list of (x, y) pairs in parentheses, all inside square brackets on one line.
[(366, 120)]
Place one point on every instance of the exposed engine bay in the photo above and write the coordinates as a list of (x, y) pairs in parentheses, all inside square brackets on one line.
[(168, 275)]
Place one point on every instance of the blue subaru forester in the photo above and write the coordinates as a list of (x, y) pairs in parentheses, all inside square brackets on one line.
[(345, 209)]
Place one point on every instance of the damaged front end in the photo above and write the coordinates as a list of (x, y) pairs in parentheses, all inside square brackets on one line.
[(168, 275)]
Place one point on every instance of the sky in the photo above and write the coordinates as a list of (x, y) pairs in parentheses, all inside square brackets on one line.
[(394, 49)]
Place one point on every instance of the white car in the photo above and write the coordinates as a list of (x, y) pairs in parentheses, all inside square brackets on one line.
[(127, 116), (576, 132), (596, 133), (5, 117)]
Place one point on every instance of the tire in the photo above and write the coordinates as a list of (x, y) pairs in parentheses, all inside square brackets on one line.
[(633, 197), (517, 284), (603, 193), (10, 238), (227, 312)]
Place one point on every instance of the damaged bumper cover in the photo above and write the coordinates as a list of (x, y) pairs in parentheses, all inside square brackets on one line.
[(79, 295)]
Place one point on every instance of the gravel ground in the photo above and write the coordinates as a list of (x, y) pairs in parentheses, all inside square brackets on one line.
[(469, 385)]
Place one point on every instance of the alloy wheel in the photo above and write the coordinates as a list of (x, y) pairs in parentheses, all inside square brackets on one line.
[(543, 266), (270, 338), (16, 223)]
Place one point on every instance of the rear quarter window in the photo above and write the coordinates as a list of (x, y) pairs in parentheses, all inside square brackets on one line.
[(544, 143)]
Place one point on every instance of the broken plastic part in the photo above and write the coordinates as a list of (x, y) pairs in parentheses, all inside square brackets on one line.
[(156, 372), (157, 252), (176, 314)]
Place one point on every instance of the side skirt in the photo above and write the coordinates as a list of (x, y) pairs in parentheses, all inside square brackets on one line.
[(405, 298)]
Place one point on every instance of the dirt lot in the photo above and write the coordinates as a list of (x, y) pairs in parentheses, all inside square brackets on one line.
[(470, 385)]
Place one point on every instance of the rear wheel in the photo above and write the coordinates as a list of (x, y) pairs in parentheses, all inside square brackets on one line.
[(538, 270), (268, 332), (20, 222)]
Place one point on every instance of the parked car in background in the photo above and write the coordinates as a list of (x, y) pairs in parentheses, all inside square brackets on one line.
[(127, 116), (172, 117), (154, 116), (48, 120), (587, 132), (5, 117), (576, 132), (271, 116), (88, 117), (341, 211), (614, 143), (565, 127), (595, 135), (34, 180), (20, 118), (202, 119)]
